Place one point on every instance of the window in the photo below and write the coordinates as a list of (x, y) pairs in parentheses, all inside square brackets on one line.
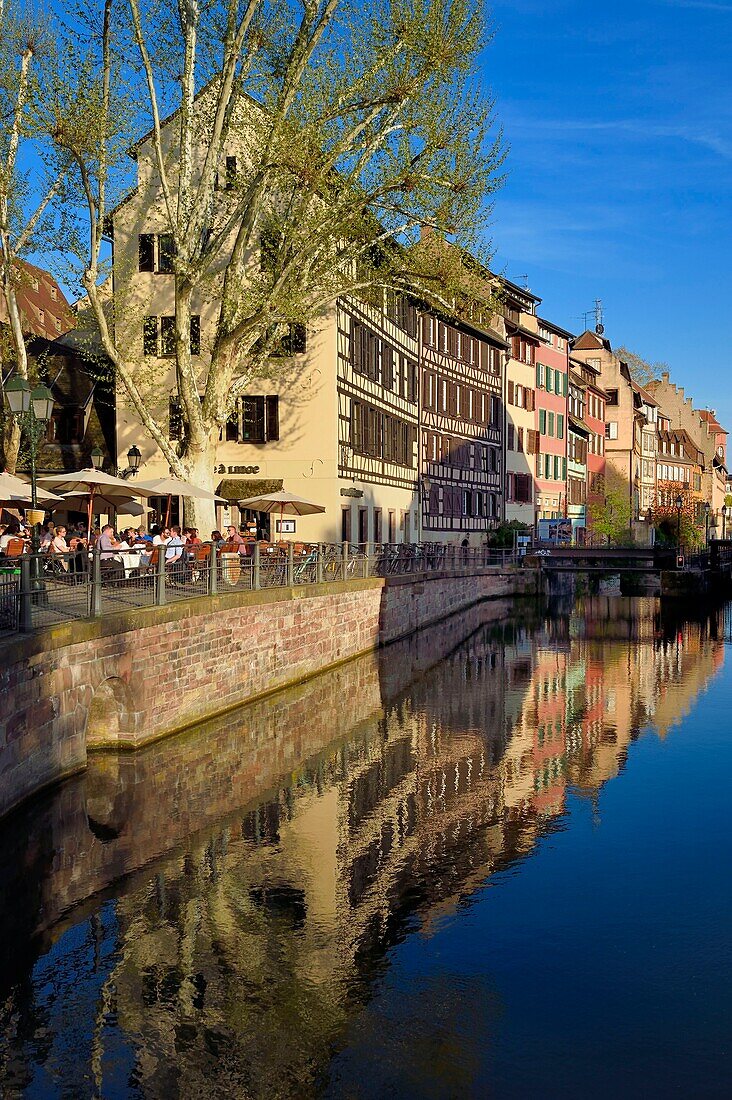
[(510, 437), (167, 336), (542, 421), (520, 438), (539, 375), (346, 523), (612, 397), (549, 380), (387, 372), (294, 342), (150, 337), (522, 488), (146, 251), (611, 430), (253, 419), (175, 419), (230, 173), (166, 254), (364, 351), (411, 369), (377, 525)]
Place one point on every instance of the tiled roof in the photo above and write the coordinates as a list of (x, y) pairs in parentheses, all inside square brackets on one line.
[(44, 310), (711, 421)]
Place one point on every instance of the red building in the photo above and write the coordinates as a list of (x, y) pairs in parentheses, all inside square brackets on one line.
[(552, 362)]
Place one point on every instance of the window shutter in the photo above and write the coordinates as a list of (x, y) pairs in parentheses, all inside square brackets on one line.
[(146, 252), (195, 335), (150, 336), (272, 416), (510, 393)]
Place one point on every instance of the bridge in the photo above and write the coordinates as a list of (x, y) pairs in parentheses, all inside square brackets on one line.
[(610, 559)]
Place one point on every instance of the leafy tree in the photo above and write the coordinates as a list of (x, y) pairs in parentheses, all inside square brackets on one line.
[(358, 125), (30, 184), (674, 526), (642, 370), (610, 516)]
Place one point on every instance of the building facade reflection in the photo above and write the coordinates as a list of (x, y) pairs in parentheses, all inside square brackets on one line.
[(207, 915)]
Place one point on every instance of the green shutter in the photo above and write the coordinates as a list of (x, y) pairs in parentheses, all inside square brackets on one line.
[(542, 421), (564, 469)]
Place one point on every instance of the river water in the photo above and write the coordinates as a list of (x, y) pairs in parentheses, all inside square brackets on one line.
[(493, 860)]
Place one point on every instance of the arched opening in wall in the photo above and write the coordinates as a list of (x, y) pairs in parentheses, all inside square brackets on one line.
[(109, 717)]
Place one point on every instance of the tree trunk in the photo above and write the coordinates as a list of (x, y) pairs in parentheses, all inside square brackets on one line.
[(199, 465), (11, 445)]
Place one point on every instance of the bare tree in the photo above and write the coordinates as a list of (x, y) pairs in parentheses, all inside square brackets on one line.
[(642, 371), (357, 125)]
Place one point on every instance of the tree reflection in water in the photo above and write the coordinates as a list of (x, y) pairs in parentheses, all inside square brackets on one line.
[(208, 917)]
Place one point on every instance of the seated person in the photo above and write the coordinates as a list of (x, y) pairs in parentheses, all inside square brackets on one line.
[(12, 534), (59, 545)]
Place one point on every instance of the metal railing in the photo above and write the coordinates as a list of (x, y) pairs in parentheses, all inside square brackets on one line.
[(39, 590)]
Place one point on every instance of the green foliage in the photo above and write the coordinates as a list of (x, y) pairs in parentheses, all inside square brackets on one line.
[(610, 518), (504, 536)]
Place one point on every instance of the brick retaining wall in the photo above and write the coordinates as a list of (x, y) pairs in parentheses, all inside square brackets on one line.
[(130, 678)]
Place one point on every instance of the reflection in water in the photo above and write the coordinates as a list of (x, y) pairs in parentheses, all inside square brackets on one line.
[(207, 916)]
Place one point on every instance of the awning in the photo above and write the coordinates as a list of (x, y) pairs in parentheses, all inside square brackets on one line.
[(242, 488), (578, 427)]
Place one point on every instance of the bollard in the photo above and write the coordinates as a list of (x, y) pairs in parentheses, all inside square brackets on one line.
[(345, 560), (160, 576), (26, 604), (213, 578), (290, 564), (255, 567), (319, 565)]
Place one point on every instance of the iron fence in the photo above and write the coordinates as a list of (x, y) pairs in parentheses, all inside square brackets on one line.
[(39, 590)]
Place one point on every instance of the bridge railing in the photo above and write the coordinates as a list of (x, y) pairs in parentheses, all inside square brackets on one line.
[(39, 590)]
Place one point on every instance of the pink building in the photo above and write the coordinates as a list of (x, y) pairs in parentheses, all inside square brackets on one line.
[(552, 360)]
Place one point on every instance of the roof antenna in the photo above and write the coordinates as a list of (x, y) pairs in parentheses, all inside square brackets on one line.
[(599, 326), (521, 280)]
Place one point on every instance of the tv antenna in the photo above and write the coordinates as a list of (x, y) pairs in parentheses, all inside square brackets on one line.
[(521, 280), (599, 326)]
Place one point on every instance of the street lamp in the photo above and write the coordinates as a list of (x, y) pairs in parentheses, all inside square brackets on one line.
[(31, 409), (679, 502), (97, 457), (707, 508)]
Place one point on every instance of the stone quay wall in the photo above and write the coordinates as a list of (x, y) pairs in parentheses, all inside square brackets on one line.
[(136, 676)]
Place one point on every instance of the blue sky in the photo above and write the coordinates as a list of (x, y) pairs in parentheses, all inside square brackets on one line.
[(619, 122)]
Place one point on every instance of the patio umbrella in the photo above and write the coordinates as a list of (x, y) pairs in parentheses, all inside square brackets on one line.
[(96, 486), (176, 487), (14, 492), (283, 502)]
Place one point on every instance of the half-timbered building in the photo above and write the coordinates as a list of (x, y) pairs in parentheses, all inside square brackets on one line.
[(461, 429), (377, 384)]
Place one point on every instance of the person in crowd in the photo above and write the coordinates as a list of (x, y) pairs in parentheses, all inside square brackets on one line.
[(142, 535), (175, 558), (59, 545), (12, 532), (193, 537), (47, 535), (217, 539), (108, 544), (79, 556), (234, 539), (161, 537)]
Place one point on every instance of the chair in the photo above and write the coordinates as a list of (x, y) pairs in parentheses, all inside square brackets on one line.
[(15, 548)]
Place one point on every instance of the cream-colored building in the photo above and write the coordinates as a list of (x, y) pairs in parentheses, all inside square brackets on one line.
[(334, 419)]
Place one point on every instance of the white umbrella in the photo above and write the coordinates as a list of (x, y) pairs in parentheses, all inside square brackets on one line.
[(14, 492), (176, 487), (97, 486), (282, 502)]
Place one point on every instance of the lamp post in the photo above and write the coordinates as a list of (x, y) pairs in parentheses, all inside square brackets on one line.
[(724, 521), (707, 508), (31, 410), (679, 502)]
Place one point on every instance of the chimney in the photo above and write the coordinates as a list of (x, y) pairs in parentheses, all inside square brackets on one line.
[(664, 376)]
